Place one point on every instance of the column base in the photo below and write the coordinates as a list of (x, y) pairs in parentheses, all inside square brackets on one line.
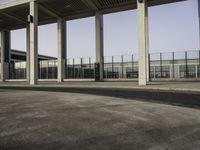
[(142, 82), (32, 82)]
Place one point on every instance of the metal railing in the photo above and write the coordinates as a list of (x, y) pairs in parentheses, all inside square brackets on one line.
[(173, 65), (82, 68), (121, 67), (17, 70), (47, 69)]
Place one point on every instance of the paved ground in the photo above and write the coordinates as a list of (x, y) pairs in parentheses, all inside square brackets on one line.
[(183, 86), (42, 120)]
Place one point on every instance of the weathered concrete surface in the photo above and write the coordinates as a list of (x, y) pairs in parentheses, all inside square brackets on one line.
[(36, 120), (180, 86), (174, 93)]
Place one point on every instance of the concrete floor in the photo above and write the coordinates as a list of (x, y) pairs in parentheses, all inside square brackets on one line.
[(182, 86), (36, 120)]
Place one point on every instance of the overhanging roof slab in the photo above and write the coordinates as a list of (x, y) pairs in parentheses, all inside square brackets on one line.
[(14, 14)]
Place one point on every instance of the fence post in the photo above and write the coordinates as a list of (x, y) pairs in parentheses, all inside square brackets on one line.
[(161, 71), (186, 64), (40, 70), (73, 72), (66, 68), (112, 67), (81, 71), (103, 58), (122, 66), (90, 75), (196, 71), (20, 72), (199, 65), (199, 58), (90, 63), (173, 65), (47, 70), (149, 66), (9, 77), (132, 66), (51, 69), (54, 68)]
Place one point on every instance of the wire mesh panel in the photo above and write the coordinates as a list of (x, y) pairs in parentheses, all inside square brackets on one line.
[(117, 67), (78, 68), (17, 70), (181, 64), (82, 68), (198, 71), (155, 65), (48, 69), (53, 69), (193, 57), (121, 67), (128, 66), (135, 59), (192, 64), (43, 69), (87, 68), (69, 72), (108, 67), (167, 64)]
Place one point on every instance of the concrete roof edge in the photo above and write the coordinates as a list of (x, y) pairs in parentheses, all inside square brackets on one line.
[(14, 3)]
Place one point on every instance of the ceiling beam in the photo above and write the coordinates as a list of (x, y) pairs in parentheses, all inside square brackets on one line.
[(48, 11), (161, 2), (91, 4), (13, 4), (11, 16)]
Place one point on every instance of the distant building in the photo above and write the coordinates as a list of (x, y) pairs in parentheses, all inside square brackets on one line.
[(17, 55), (121, 68)]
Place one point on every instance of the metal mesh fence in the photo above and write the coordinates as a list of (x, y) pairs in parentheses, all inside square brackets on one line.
[(175, 65), (120, 67), (17, 70), (82, 68), (47, 69), (171, 65)]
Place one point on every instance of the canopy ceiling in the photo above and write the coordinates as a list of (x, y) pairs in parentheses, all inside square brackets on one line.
[(14, 14)]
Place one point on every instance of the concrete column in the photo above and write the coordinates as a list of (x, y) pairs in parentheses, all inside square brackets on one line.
[(143, 43), (33, 25), (99, 42), (61, 49), (147, 43), (199, 20), (28, 53), (5, 54)]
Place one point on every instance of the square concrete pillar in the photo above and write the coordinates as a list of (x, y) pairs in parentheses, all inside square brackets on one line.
[(61, 49), (199, 21), (99, 42), (143, 41), (33, 41), (5, 54), (147, 47)]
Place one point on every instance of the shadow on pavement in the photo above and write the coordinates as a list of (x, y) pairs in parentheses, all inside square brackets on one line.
[(191, 100)]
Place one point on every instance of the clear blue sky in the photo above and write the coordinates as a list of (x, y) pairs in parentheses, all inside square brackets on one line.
[(172, 27)]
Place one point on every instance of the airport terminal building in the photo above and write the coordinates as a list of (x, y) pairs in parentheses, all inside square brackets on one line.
[(33, 67)]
